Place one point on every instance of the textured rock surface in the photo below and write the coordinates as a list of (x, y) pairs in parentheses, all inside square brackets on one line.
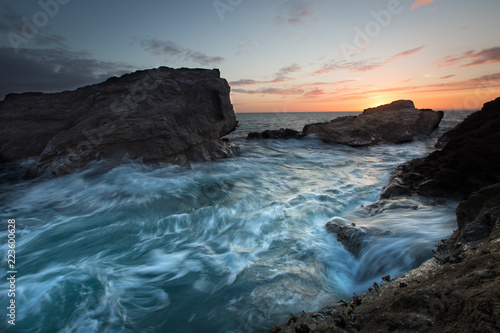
[(397, 122), (159, 115), (459, 289), (282, 133), (469, 161)]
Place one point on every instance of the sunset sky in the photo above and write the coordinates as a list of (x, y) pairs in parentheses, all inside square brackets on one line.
[(278, 56)]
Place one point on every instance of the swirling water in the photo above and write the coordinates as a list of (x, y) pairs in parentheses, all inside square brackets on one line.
[(229, 246)]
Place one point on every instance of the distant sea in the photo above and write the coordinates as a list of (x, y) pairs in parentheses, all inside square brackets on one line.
[(229, 246)]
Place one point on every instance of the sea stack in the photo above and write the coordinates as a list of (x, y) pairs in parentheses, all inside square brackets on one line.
[(161, 115)]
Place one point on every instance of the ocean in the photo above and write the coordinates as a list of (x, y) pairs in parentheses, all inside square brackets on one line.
[(234, 245)]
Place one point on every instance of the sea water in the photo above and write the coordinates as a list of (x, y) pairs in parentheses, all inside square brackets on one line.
[(227, 246)]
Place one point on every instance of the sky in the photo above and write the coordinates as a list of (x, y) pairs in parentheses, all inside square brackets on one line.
[(277, 55)]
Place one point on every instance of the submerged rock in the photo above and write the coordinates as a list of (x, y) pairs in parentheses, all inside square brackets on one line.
[(398, 122), (160, 115)]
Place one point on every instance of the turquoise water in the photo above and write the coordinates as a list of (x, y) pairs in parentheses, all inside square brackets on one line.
[(230, 246)]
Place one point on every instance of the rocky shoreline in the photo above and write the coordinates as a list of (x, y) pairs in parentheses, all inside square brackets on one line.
[(459, 289)]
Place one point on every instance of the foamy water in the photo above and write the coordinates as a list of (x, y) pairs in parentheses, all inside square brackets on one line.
[(230, 246)]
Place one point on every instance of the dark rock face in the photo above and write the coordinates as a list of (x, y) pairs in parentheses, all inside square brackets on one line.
[(469, 161), (160, 115), (398, 122), (477, 218), (282, 133)]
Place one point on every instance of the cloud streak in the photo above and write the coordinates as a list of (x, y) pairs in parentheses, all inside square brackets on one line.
[(282, 75), (170, 49), (364, 65), (419, 3), (472, 58), (294, 12)]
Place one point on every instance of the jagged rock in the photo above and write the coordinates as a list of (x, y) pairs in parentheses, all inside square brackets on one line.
[(160, 115), (398, 122), (282, 133), (477, 217), (469, 161)]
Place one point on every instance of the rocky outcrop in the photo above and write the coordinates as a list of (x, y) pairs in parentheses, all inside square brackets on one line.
[(398, 122), (155, 116), (469, 160), (282, 133), (459, 289)]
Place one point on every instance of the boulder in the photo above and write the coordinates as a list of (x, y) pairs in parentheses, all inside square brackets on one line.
[(282, 133), (469, 160), (398, 122), (155, 116)]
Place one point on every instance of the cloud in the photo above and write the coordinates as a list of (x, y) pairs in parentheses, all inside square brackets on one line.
[(271, 91), (294, 12), (314, 93), (12, 23), (51, 70), (170, 49), (472, 58), (408, 52), (282, 75), (419, 3), (447, 77), (364, 65)]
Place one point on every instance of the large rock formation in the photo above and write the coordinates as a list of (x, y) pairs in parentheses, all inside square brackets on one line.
[(397, 122), (159, 115), (469, 161)]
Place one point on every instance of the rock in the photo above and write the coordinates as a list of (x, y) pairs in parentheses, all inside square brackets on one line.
[(394, 106), (398, 122), (282, 133), (154, 116), (469, 161), (477, 218), (350, 236)]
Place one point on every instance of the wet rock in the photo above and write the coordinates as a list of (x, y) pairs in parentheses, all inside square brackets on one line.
[(349, 235), (155, 116), (469, 160), (477, 217), (398, 122), (282, 133)]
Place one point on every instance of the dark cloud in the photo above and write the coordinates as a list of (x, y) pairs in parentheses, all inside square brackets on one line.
[(50, 70), (447, 77), (294, 12), (170, 49)]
